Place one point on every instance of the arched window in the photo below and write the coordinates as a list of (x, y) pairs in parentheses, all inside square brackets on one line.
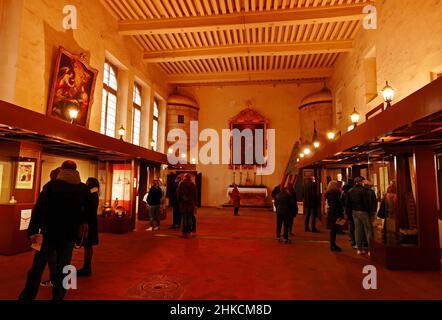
[(136, 115), (156, 119), (109, 103)]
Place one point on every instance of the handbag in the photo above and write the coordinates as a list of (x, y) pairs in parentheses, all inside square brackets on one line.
[(381, 211), (341, 222), (82, 235)]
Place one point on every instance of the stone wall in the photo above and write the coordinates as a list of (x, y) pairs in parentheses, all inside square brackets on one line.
[(279, 104), (41, 32), (407, 45)]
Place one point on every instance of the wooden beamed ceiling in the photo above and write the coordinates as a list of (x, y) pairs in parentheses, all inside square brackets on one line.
[(215, 41)]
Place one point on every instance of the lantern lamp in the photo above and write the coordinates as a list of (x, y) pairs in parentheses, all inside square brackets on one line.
[(388, 92)]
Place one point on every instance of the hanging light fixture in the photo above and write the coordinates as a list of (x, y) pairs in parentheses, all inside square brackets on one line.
[(302, 155), (307, 151), (121, 132), (388, 92), (355, 117), (315, 140)]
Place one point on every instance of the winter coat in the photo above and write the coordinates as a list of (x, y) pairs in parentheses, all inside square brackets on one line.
[(62, 207), (172, 194), (335, 209), (311, 195), (358, 199), (275, 192), (285, 204), (92, 238), (154, 197), (235, 198), (187, 196)]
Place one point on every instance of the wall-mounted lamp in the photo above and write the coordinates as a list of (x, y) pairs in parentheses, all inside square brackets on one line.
[(388, 92), (315, 140), (331, 135), (355, 117), (121, 132), (170, 151), (73, 114)]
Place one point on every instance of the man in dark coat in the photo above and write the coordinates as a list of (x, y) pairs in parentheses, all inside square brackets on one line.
[(154, 201), (285, 206), (175, 204), (351, 224), (92, 240), (312, 201), (294, 212), (60, 212), (187, 197), (359, 205)]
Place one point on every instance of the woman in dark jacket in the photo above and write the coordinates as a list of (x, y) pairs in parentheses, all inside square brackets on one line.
[(92, 238), (335, 212)]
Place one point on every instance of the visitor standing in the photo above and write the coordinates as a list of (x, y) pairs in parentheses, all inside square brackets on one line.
[(335, 211), (154, 201), (311, 203), (60, 212), (187, 197), (284, 209), (175, 204), (294, 213), (351, 224), (92, 238), (358, 205), (235, 199), (275, 191), (41, 258)]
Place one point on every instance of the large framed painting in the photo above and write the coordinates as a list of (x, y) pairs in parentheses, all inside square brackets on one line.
[(253, 120), (73, 86)]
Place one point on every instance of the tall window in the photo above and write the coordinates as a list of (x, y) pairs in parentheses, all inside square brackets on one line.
[(109, 104), (156, 115), (136, 115)]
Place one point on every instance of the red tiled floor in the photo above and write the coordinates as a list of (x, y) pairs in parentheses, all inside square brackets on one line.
[(232, 258)]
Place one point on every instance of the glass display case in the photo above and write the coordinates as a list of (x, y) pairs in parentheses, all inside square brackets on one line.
[(394, 181), (19, 180), (118, 184), (6, 185)]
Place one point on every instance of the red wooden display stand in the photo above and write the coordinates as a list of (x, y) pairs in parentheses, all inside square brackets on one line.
[(12, 239), (115, 225)]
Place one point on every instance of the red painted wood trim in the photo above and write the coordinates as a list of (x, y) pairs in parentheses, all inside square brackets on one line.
[(25, 119)]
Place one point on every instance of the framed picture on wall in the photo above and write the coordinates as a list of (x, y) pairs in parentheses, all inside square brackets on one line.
[(25, 175), (73, 85)]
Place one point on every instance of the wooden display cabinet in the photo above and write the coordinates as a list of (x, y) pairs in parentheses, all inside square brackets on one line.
[(413, 244), (119, 181), (20, 166)]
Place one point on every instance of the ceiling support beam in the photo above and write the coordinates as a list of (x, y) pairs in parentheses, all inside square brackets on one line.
[(219, 77), (299, 16), (244, 50)]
